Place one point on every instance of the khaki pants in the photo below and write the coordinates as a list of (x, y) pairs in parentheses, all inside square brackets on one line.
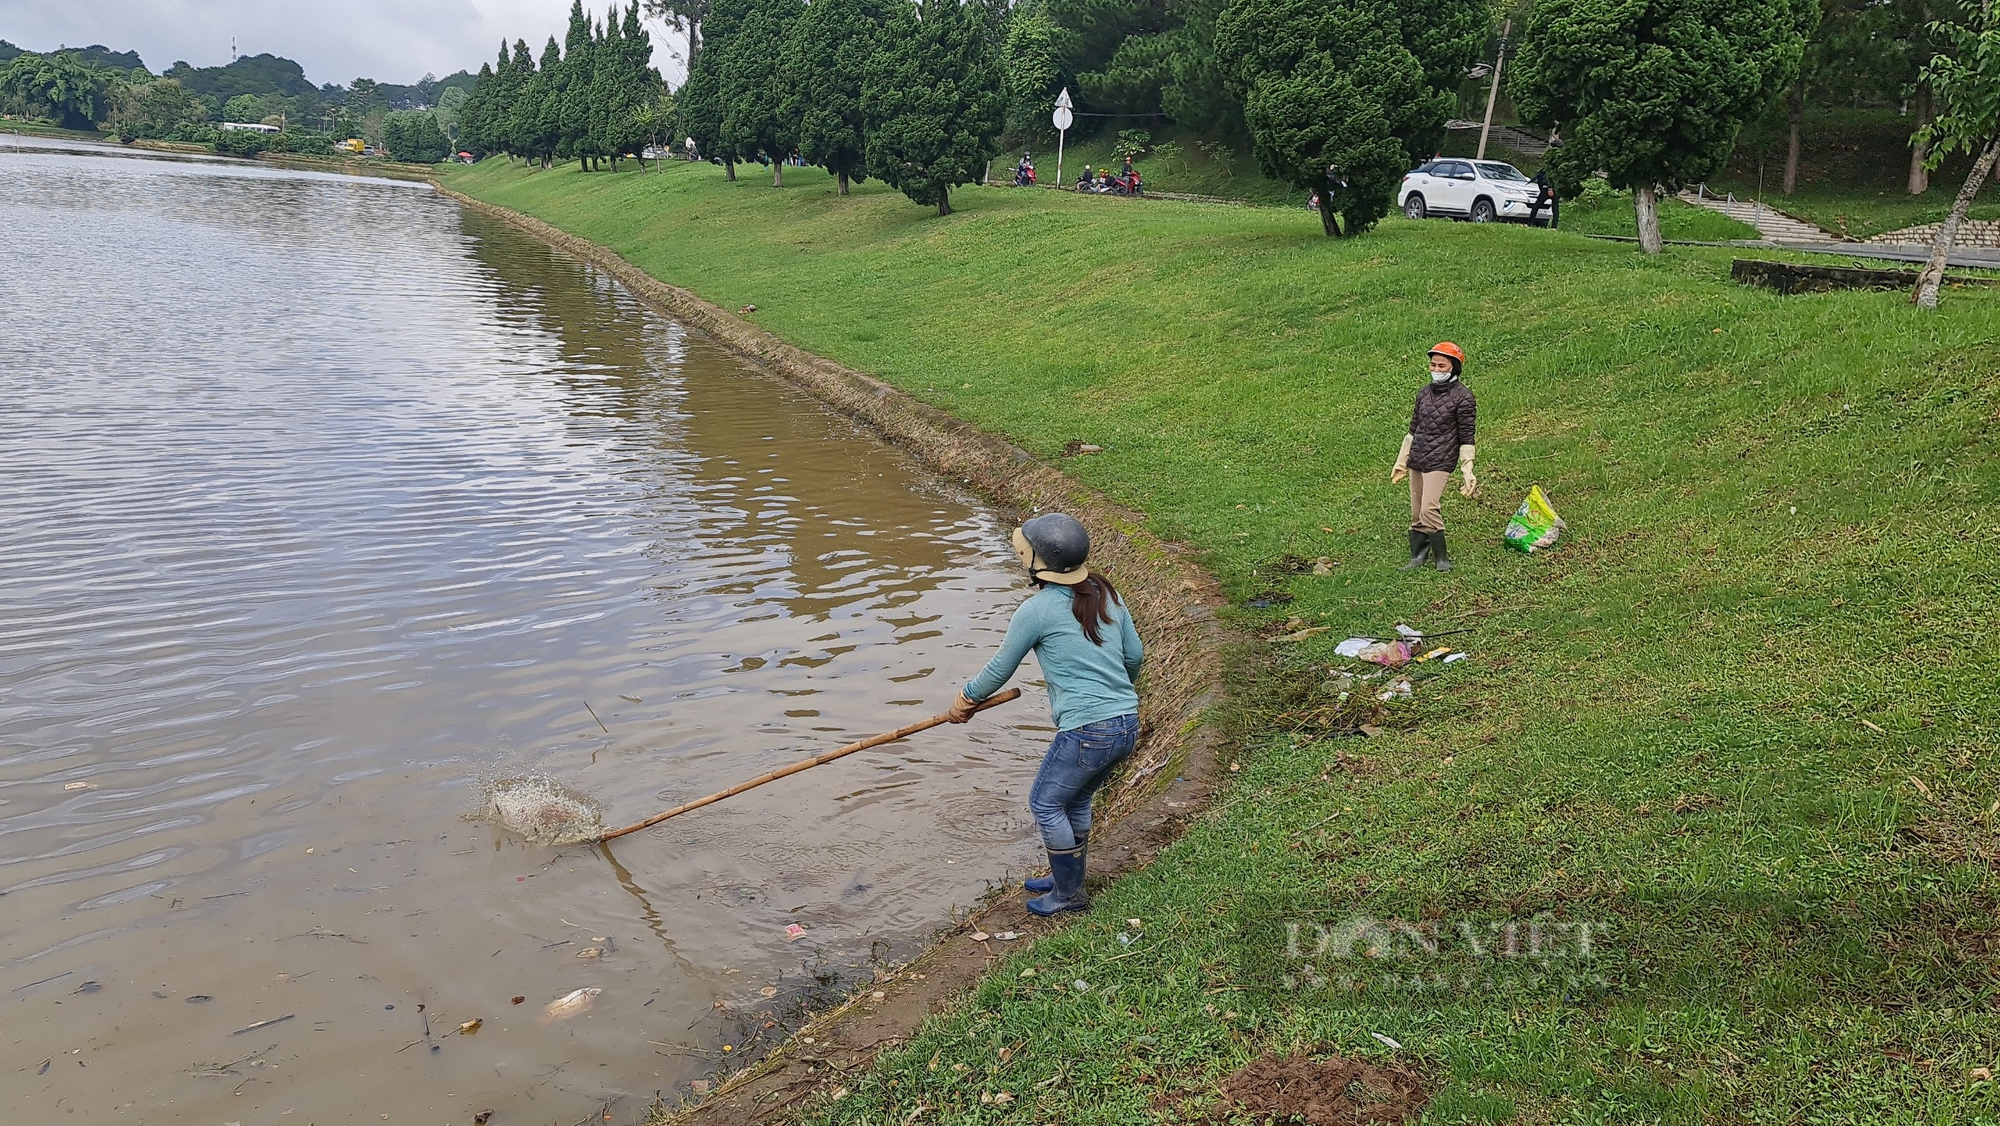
[(1426, 493)]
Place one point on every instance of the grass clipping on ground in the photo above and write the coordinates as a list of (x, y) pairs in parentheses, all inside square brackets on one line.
[(1705, 828)]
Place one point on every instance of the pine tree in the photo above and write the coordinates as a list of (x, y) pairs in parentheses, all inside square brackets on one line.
[(638, 86), (935, 98), (1654, 92), (537, 118), (704, 110), (572, 88), (474, 117), (826, 62), (521, 72), (753, 85), (1363, 86)]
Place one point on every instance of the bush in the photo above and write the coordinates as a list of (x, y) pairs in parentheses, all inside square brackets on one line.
[(241, 142), (1132, 144)]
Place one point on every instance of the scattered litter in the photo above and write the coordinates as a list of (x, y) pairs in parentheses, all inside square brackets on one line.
[(794, 932), (1080, 985), (1456, 657), (1873, 728), (1134, 923), (1400, 690), (263, 1024), (1077, 446), (591, 952), (81, 786), (1389, 654), (1535, 525), (1324, 565), (747, 309), (1387, 1041), (630, 699), (1407, 634), (517, 1000), (768, 991), (1370, 730), (199, 998), (980, 936), (1006, 936), (1353, 646), (568, 1005), (1301, 635), (877, 995), (471, 1027), (86, 987)]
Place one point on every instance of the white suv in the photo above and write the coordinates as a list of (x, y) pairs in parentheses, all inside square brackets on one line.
[(1484, 191)]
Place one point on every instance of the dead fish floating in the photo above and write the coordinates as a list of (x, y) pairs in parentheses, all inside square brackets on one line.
[(571, 1004)]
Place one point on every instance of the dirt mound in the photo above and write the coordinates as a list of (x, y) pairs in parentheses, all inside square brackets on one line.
[(1319, 1092)]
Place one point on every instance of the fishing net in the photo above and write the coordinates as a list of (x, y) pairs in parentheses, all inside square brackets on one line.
[(543, 810)]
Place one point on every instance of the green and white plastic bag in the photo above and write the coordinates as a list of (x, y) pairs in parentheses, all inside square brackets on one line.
[(1536, 526)]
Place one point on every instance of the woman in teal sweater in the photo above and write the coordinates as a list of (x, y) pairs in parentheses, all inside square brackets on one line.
[(1082, 636)]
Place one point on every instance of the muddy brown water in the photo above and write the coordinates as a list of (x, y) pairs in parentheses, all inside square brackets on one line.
[(324, 503)]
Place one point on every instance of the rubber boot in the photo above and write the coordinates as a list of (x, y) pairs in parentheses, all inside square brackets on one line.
[(1066, 868), (1042, 885), (1438, 552), (1419, 549)]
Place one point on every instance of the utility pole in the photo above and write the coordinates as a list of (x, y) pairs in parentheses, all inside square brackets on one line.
[(1493, 94)]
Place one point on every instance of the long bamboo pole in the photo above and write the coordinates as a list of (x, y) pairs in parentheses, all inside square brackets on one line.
[(808, 764)]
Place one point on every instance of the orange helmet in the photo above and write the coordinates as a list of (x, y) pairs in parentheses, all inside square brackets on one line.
[(1451, 352)]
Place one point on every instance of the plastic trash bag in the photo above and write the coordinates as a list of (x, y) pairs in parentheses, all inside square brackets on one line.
[(1535, 526)]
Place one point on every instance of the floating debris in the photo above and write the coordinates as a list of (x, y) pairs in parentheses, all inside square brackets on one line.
[(570, 1004)]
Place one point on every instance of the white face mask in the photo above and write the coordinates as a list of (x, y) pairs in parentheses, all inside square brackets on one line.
[(1441, 377)]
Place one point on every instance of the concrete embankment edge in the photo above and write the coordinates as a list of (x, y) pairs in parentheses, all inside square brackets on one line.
[(1172, 599)]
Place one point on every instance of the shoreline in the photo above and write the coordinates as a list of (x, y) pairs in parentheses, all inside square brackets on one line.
[(1170, 774)]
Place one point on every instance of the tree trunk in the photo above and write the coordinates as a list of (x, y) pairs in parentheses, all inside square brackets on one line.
[(1926, 295), (1920, 176), (944, 201), (1797, 106), (1327, 218), (777, 173), (729, 170), (843, 183), (1646, 205)]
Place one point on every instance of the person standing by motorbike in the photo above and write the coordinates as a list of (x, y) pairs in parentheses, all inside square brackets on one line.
[(1441, 436), (1090, 654)]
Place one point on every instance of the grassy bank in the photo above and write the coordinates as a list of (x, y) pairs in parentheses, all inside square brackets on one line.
[(1737, 729)]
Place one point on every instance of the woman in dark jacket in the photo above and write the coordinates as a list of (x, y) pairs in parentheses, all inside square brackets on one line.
[(1441, 436)]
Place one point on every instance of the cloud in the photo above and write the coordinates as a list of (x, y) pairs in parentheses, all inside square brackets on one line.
[(387, 40)]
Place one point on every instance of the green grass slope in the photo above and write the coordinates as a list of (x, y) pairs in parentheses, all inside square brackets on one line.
[(1722, 764)]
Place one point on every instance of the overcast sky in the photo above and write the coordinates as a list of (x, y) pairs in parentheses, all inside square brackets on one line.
[(335, 40)]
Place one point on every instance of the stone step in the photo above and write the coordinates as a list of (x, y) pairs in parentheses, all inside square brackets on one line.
[(1769, 221)]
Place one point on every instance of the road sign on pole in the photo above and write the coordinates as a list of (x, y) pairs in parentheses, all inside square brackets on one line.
[(1063, 120)]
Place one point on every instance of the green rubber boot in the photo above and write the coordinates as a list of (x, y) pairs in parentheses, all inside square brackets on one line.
[(1419, 549)]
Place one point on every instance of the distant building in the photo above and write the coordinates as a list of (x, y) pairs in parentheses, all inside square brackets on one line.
[(250, 127)]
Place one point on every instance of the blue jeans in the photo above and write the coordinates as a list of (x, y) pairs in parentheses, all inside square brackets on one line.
[(1077, 764)]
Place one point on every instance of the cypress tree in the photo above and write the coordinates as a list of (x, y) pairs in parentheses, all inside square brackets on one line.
[(704, 110), (474, 117), (521, 71), (572, 89), (935, 98), (826, 61), (753, 86)]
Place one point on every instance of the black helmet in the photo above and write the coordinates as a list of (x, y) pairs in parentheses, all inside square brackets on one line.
[(1060, 545)]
